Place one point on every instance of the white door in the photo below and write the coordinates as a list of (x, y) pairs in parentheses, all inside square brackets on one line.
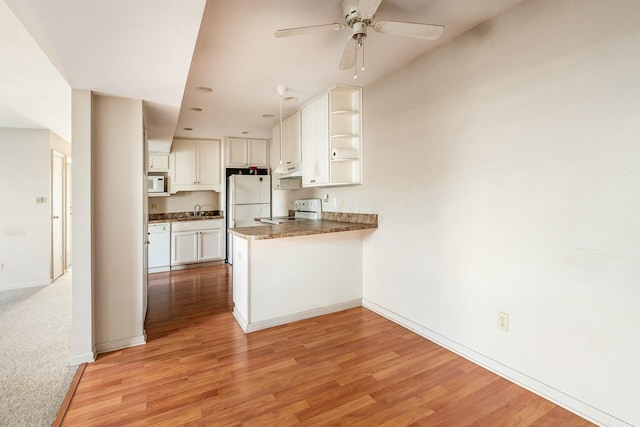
[(245, 215), (184, 247), (57, 216), (184, 168), (209, 162), (237, 152), (258, 152), (211, 245)]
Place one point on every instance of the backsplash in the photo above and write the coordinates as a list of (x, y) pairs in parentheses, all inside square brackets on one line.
[(351, 217), (181, 215), (185, 202)]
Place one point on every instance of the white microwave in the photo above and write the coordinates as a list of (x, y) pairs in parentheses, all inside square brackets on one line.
[(156, 184)]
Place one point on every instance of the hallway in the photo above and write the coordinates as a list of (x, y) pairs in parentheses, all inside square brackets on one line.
[(35, 338)]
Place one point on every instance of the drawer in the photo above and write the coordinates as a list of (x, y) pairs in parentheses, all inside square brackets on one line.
[(202, 224)]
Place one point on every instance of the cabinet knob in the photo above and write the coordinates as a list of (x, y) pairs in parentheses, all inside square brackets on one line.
[(313, 180)]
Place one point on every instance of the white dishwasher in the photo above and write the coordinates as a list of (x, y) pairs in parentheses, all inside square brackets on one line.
[(159, 247)]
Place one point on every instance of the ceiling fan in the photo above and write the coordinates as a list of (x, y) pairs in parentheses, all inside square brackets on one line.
[(358, 15)]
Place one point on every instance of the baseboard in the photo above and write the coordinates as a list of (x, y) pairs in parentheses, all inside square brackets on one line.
[(277, 321), (152, 270), (196, 265), (79, 359), (121, 343), (556, 396), (241, 320)]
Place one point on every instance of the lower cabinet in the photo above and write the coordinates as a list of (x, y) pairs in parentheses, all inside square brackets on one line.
[(197, 241)]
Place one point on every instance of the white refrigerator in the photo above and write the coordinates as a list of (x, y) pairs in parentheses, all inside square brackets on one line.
[(248, 197)]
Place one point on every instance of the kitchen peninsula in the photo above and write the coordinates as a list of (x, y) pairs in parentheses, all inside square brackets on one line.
[(288, 272)]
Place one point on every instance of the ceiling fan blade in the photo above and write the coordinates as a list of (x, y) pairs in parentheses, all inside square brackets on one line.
[(368, 8), (306, 30), (409, 29), (349, 55)]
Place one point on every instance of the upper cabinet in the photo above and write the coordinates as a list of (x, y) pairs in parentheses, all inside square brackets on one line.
[(291, 142), (332, 138), (315, 142), (291, 148), (242, 153), (158, 162), (195, 165)]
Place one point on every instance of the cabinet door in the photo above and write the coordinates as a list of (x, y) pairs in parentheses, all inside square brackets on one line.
[(184, 162), (291, 150), (258, 152), (184, 247), (315, 142), (208, 163), (158, 163), (211, 245), (275, 147), (237, 152)]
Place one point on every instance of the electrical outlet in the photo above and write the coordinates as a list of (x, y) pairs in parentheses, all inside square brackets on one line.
[(1, 266), (154, 206), (503, 321)]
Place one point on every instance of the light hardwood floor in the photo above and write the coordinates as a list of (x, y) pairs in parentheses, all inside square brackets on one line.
[(350, 368)]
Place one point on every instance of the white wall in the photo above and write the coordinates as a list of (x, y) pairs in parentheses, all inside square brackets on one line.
[(25, 225), (184, 201), (83, 293), (117, 191), (504, 168)]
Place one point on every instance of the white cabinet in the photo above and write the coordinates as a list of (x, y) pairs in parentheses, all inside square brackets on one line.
[(331, 138), (315, 142), (291, 142), (195, 165), (197, 241), (158, 162), (345, 132), (242, 153)]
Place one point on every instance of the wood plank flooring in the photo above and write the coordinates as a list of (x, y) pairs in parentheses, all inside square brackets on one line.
[(349, 368)]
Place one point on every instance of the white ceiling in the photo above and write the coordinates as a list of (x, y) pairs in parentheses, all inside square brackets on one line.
[(144, 49)]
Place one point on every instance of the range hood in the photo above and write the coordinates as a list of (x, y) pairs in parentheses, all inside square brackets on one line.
[(294, 171)]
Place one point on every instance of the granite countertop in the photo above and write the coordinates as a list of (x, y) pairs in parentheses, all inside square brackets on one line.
[(328, 224), (181, 216)]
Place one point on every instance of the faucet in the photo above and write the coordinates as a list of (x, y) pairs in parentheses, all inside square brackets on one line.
[(196, 209)]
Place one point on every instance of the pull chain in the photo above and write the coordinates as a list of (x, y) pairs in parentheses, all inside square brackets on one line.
[(355, 66)]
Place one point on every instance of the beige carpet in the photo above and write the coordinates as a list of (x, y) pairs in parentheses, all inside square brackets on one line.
[(35, 347)]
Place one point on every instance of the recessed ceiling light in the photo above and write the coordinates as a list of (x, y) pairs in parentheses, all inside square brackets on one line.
[(204, 89), (187, 128), (196, 109), (245, 132), (290, 99), (268, 116)]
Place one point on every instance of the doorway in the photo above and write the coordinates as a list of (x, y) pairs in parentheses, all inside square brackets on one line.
[(57, 216)]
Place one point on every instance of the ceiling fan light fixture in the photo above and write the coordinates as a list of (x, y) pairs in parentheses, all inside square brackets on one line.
[(360, 15)]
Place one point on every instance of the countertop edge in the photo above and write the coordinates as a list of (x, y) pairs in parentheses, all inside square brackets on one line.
[(277, 231)]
